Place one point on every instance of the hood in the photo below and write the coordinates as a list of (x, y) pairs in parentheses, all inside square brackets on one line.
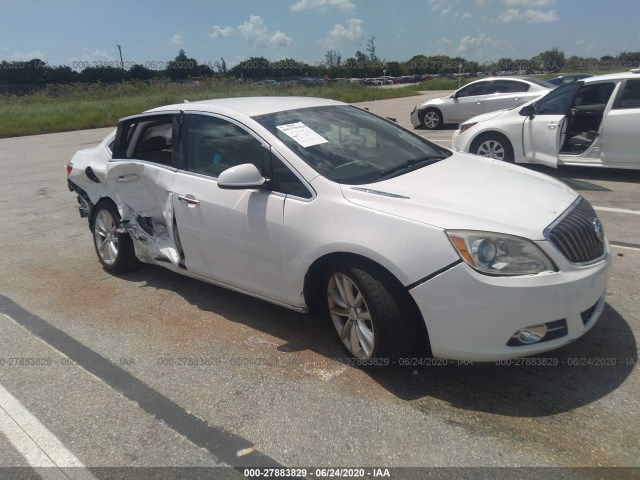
[(487, 116), (470, 192), (434, 101)]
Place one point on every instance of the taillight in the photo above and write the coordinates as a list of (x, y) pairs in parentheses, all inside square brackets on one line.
[(69, 168)]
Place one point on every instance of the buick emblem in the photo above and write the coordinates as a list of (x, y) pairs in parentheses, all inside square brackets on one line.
[(597, 228)]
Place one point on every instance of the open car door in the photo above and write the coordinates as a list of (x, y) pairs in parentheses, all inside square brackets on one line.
[(544, 129), (140, 177)]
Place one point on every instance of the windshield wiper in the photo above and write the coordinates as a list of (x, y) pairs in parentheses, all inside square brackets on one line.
[(409, 165)]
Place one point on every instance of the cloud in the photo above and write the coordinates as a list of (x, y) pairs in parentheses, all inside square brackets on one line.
[(528, 16), (255, 32), (516, 3), (351, 32), (527, 3), (89, 55), (537, 16), (509, 15), (280, 39), (219, 31), (26, 56), (466, 15), (176, 39), (441, 7), (322, 5), (444, 40), (92, 58), (480, 45)]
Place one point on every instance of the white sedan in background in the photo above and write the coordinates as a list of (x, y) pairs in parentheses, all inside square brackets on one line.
[(315, 204), (591, 122), (475, 98)]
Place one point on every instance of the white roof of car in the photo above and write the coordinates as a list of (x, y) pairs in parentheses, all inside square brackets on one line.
[(250, 106), (612, 76)]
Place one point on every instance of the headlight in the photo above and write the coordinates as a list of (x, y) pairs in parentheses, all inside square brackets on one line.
[(499, 254), (467, 126)]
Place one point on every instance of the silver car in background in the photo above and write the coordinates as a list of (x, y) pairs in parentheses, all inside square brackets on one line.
[(476, 98)]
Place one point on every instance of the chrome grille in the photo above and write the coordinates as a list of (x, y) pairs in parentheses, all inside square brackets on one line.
[(578, 234)]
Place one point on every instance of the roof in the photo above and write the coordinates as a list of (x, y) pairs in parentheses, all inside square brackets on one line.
[(250, 106), (611, 76)]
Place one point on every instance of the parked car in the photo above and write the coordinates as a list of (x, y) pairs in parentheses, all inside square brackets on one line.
[(316, 204), (569, 78), (477, 97), (591, 122)]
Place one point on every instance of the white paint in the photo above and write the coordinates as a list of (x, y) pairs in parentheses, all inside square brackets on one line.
[(617, 210), (39, 447)]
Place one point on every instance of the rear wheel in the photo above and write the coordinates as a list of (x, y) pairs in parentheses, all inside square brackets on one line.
[(431, 119), (366, 313), (493, 145), (114, 249)]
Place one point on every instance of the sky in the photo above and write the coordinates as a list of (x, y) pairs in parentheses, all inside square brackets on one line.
[(79, 33)]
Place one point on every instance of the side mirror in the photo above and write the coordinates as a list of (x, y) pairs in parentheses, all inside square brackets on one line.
[(242, 177), (527, 111)]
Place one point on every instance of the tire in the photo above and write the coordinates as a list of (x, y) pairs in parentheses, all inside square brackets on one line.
[(114, 249), (431, 119), (373, 322), (493, 145)]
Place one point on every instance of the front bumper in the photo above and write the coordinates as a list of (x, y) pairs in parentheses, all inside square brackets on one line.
[(460, 142), (472, 317), (414, 118)]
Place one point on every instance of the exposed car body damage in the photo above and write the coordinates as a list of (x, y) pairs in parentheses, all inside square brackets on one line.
[(145, 203)]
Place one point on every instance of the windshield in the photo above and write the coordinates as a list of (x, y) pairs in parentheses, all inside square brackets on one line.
[(349, 145)]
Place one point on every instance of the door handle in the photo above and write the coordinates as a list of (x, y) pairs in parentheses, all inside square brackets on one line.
[(128, 178), (552, 125), (190, 200)]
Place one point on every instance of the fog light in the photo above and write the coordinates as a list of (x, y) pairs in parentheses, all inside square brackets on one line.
[(532, 334)]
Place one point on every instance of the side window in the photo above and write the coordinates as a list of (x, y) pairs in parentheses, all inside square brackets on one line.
[(594, 94), (480, 88), (285, 181), (508, 86), (211, 145), (630, 97), (558, 101), (152, 140)]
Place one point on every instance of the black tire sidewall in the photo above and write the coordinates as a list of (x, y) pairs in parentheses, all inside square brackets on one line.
[(125, 259), (504, 142), (394, 327), (437, 112)]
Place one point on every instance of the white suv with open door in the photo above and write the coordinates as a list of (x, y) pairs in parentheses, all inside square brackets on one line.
[(593, 122)]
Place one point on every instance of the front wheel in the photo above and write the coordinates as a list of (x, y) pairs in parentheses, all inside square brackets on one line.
[(431, 119), (114, 249), (493, 146), (367, 315)]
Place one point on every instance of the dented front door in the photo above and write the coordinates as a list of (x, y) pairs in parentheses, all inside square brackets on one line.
[(141, 179), (143, 194)]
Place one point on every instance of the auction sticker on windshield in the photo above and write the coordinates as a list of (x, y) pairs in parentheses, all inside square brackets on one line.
[(302, 134)]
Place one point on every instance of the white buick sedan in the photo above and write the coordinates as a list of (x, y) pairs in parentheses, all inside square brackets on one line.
[(315, 204), (591, 122)]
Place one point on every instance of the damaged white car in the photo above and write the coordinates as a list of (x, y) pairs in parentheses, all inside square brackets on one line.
[(315, 204)]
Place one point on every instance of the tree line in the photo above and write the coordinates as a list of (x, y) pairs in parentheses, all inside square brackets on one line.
[(22, 77)]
